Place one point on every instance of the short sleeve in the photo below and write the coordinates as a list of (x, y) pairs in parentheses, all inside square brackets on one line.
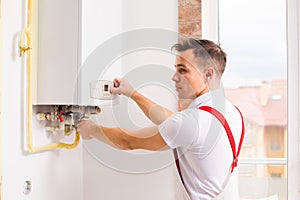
[(180, 130)]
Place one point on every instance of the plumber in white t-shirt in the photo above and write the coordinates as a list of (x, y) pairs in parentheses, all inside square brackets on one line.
[(200, 140)]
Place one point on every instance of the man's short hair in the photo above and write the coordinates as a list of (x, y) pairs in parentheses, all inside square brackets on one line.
[(206, 52)]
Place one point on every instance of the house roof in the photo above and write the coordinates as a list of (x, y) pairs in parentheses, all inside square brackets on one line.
[(264, 105)]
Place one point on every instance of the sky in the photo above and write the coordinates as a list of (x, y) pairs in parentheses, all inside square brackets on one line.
[(253, 34)]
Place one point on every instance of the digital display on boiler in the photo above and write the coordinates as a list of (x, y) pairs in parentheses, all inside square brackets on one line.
[(105, 87), (100, 89)]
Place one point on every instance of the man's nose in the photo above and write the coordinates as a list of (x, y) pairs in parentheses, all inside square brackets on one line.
[(175, 77)]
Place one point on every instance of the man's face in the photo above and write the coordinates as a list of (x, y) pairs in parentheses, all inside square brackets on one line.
[(189, 80)]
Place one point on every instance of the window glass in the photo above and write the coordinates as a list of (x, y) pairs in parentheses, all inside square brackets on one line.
[(253, 34)]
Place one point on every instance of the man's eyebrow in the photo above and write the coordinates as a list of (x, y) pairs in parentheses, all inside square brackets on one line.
[(180, 65)]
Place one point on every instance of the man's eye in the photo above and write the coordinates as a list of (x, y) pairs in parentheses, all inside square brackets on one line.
[(181, 71)]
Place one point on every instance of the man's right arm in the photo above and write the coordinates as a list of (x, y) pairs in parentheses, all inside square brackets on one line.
[(147, 138), (156, 113)]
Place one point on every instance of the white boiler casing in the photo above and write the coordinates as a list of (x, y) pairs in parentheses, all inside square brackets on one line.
[(65, 41), (58, 51)]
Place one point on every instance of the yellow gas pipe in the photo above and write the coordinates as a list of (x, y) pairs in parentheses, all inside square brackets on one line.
[(26, 47)]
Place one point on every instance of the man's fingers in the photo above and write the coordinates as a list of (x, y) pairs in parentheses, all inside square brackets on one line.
[(117, 82), (114, 91)]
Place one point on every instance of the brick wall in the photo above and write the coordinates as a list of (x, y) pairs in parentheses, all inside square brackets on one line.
[(189, 18)]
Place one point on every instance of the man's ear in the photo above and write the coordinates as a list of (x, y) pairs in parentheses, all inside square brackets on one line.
[(209, 72)]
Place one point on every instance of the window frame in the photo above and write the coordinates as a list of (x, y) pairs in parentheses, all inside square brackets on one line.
[(293, 55)]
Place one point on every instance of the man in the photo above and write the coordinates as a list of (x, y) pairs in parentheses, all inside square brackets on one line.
[(205, 151)]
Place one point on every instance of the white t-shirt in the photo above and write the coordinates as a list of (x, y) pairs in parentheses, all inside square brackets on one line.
[(205, 154)]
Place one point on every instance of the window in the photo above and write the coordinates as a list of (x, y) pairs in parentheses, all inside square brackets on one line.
[(254, 35)]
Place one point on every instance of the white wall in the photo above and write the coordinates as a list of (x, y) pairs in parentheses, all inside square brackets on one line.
[(54, 175), (210, 20)]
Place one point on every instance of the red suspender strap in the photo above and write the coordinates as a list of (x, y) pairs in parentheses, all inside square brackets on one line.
[(177, 164), (223, 121)]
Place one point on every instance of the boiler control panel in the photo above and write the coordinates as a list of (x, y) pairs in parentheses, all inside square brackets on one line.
[(100, 89)]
